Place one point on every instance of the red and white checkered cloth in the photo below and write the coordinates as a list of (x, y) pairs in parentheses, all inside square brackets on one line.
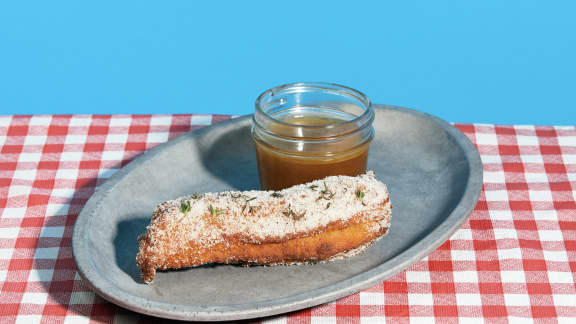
[(513, 261)]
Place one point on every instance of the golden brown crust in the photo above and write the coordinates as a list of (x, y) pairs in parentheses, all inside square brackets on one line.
[(294, 225), (321, 246)]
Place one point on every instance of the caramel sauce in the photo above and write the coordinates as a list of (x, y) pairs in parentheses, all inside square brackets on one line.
[(279, 170)]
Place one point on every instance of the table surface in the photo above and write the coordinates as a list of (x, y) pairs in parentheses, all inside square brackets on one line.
[(514, 260)]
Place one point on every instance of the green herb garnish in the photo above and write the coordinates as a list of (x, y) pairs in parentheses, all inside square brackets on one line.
[(185, 206), (247, 205), (360, 194), (214, 211), (290, 213), (277, 195), (196, 196), (326, 193)]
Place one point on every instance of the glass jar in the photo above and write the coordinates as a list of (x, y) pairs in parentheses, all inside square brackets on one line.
[(308, 131)]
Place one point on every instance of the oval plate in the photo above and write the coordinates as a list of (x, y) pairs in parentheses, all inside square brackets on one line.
[(432, 170)]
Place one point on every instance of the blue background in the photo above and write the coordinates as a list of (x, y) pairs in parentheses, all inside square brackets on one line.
[(506, 62)]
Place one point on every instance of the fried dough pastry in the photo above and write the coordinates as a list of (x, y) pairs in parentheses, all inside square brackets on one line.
[(321, 220)]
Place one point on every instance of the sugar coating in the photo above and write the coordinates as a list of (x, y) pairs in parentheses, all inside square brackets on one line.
[(264, 216)]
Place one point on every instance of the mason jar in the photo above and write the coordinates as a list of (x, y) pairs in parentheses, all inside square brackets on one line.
[(308, 131)]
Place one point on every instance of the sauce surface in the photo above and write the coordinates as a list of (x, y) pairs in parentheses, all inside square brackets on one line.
[(311, 120), (278, 170)]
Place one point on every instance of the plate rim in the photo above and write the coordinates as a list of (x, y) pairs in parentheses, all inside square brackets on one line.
[(383, 271)]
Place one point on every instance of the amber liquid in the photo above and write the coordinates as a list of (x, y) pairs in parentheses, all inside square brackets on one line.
[(278, 171)]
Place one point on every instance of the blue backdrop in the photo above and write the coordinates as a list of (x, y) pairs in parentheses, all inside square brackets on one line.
[(483, 61)]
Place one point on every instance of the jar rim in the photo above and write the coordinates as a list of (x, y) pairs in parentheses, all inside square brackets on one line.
[(345, 90)]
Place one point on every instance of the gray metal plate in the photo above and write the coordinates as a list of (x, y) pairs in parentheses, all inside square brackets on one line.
[(433, 172)]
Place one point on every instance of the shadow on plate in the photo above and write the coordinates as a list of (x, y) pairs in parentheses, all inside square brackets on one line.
[(231, 158), (126, 244)]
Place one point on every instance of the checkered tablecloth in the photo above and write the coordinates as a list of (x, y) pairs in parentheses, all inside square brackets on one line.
[(513, 261)]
